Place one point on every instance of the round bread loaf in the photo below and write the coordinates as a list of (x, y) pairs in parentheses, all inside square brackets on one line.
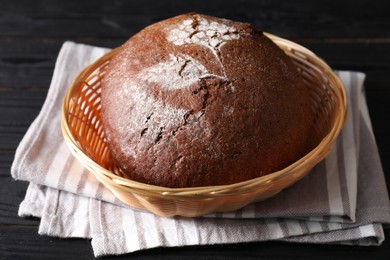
[(196, 101)]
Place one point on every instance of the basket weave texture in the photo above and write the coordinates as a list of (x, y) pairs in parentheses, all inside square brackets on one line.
[(83, 132)]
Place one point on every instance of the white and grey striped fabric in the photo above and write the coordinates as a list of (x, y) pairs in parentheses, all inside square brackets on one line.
[(343, 200)]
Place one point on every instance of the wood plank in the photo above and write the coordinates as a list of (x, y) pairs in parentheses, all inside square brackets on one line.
[(6, 158), (10, 136), (28, 64), (11, 245), (379, 109), (24, 241), (11, 193), (298, 18), (18, 110), (365, 55)]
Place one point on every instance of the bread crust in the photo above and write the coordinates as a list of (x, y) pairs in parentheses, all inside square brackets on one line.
[(197, 101)]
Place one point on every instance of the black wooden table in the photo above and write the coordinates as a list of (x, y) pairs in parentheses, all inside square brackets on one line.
[(351, 35)]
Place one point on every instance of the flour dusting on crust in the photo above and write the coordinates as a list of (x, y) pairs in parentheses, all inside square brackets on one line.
[(200, 31), (147, 125), (176, 73)]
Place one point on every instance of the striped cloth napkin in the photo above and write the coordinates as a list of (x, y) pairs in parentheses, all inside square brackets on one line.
[(343, 200)]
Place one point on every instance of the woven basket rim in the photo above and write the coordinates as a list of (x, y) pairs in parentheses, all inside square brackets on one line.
[(217, 190)]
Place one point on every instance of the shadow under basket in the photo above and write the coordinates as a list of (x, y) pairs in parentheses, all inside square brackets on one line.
[(83, 132)]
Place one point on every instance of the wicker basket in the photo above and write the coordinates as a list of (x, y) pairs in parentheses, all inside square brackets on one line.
[(84, 134)]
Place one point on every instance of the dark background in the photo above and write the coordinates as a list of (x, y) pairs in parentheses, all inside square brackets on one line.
[(350, 35)]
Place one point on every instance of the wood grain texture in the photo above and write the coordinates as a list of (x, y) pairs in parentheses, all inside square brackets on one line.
[(350, 35), (122, 18), (27, 66), (23, 242)]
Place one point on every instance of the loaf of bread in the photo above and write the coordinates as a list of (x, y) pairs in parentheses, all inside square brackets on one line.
[(197, 101)]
